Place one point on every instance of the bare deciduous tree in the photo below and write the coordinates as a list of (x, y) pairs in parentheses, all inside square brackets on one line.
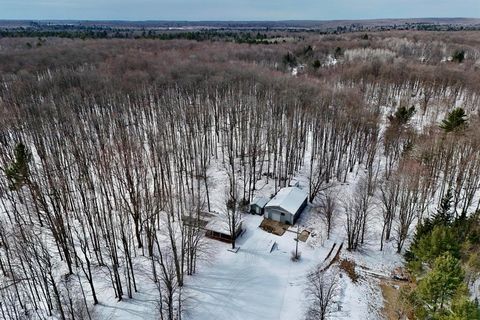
[(357, 212), (327, 209), (322, 290)]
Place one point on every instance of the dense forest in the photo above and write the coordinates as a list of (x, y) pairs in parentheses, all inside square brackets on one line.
[(106, 145)]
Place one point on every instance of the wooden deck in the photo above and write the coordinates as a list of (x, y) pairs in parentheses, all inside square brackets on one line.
[(274, 227)]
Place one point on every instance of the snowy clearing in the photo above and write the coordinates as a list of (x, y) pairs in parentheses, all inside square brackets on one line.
[(256, 284)]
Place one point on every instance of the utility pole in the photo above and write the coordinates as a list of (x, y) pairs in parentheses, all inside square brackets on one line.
[(296, 244)]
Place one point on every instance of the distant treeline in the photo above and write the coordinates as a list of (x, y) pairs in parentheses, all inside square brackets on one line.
[(253, 35), (201, 35)]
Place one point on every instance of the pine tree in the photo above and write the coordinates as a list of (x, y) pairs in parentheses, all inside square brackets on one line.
[(444, 215), (441, 241), (456, 120), (423, 229), (463, 309), (338, 52), (18, 171), (458, 56), (289, 60), (436, 291), (403, 115)]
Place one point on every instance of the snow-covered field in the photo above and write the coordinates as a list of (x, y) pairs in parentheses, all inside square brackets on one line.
[(260, 283), (255, 283)]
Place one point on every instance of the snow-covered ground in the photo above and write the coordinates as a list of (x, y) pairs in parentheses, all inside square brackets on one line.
[(143, 305), (255, 283)]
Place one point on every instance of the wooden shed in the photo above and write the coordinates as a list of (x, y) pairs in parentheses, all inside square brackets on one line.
[(218, 229)]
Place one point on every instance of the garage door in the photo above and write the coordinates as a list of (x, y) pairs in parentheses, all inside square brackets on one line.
[(278, 216), (275, 215)]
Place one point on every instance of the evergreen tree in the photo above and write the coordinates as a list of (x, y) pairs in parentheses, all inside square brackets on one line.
[(436, 291), (338, 52), (403, 115), (308, 51), (458, 56), (423, 229), (463, 309), (289, 60), (17, 172), (438, 245), (444, 215), (442, 240), (456, 120)]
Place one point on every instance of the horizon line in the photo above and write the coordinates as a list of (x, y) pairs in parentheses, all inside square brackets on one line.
[(235, 20)]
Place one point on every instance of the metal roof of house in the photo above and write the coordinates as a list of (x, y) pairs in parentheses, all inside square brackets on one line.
[(289, 199)]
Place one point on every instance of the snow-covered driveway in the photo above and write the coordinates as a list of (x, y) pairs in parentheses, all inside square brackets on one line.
[(252, 283)]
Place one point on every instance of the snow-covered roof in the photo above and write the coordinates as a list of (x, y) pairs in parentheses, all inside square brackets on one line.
[(260, 201), (294, 183), (289, 199), (220, 224)]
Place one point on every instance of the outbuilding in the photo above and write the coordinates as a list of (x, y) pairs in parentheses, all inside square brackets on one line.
[(258, 205), (287, 205), (199, 220), (218, 229)]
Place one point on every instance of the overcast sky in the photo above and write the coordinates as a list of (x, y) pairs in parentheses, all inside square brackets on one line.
[(236, 9)]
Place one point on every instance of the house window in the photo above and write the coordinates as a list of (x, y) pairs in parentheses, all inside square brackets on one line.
[(283, 214)]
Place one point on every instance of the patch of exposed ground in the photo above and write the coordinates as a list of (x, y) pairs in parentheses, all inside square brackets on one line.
[(274, 227), (393, 306)]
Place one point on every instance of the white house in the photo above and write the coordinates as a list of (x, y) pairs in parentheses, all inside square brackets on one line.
[(287, 205)]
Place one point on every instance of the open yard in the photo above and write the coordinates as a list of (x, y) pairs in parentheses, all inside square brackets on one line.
[(256, 284), (253, 283)]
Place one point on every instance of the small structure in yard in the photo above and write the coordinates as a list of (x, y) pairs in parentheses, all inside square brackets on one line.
[(258, 205), (303, 236), (199, 219), (218, 229), (294, 183), (287, 205)]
